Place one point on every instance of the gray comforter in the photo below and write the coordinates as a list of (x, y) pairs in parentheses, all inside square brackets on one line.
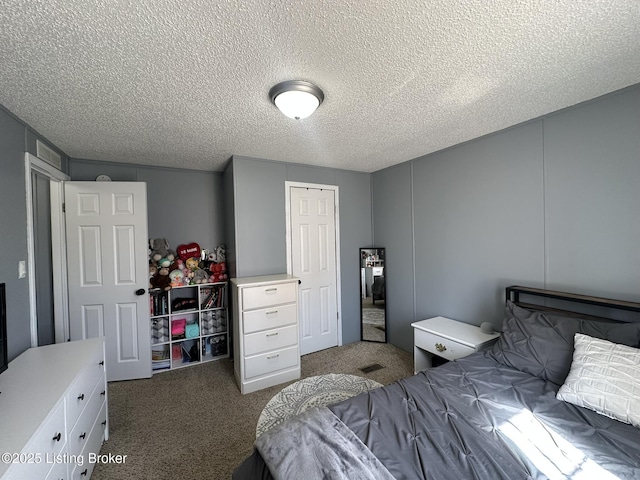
[(477, 418), (333, 450)]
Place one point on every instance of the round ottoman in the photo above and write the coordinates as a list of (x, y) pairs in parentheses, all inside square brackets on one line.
[(310, 392)]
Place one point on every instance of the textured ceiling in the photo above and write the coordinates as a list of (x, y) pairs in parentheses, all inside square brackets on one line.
[(185, 83)]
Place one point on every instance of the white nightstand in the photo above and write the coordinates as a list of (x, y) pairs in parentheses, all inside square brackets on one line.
[(446, 338)]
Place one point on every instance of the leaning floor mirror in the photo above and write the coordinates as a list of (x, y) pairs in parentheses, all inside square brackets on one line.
[(373, 309)]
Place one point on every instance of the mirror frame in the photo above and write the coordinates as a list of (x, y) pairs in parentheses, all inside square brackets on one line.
[(383, 255)]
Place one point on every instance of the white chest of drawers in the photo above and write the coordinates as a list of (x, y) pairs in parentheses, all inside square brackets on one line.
[(53, 411), (448, 339), (265, 331)]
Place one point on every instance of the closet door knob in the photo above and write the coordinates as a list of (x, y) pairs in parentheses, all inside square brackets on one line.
[(57, 437), (140, 291)]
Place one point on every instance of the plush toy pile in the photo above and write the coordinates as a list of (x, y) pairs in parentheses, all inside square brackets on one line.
[(190, 265)]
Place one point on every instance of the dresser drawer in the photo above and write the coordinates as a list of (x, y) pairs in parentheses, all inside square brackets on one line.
[(59, 471), (269, 318), (80, 391), (79, 436), (268, 295), (271, 362), (440, 346), (48, 442), (270, 340), (94, 441)]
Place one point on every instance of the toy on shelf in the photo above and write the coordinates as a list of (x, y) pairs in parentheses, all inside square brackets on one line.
[(188, 265), (177, 277), (161, 279), (153, 270), (160, 249), (216, 265)]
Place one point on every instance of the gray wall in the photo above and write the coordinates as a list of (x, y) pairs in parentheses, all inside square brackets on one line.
[(592, 197), (15, 138), (393, 217), (551, 203), (184, 206), (259, 223)]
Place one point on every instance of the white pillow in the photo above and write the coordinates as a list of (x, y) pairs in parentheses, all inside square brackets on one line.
[(604, 377)]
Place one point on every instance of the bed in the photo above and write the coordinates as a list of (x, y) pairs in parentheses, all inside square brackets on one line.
[(558, 396)]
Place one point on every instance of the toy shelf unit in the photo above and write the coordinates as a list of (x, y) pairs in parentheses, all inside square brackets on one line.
[(189, 325)]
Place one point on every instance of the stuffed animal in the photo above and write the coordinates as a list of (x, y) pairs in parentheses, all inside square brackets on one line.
[(219, 254), (160, 249), (177, 277), (164, 262), (161, 279), (192, 264), (219, 272), (199, 276), (152, 271)]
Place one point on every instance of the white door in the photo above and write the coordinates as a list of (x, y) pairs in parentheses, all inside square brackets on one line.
[(106, 224), (313, 250)]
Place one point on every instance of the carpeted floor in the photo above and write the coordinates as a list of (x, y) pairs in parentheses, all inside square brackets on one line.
[(193, 423)]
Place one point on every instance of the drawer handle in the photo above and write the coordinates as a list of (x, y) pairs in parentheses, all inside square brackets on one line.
[(440, 347), (271, 290), (273, 356), (84, 473), (57, 437), (81, 397), (272, 312), (83, 435), (272, 334)]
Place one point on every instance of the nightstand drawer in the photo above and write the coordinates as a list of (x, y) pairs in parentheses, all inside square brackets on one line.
[(440, 346)]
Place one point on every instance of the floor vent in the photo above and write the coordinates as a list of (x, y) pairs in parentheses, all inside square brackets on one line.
[(371, 368)]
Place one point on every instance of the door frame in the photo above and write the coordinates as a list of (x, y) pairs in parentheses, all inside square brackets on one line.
[(288, 185), (58, 248)]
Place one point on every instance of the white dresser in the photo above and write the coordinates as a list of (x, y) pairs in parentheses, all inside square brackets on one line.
[(53, 411), (265, 331)]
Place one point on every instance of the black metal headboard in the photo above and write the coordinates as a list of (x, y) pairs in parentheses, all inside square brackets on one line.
[(513, 294)]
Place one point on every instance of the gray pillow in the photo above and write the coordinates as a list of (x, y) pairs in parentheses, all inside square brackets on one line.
[(542, 343)]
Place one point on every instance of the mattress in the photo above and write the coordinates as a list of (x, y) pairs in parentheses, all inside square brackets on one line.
[(478, 418)]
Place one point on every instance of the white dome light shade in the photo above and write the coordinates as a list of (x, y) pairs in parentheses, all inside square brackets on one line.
[(297, 105), (296, 99)]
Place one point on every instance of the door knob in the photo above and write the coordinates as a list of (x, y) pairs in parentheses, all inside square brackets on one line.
[(140, 291)]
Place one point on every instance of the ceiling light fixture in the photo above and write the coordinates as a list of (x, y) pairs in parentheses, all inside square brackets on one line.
[(296, 99)]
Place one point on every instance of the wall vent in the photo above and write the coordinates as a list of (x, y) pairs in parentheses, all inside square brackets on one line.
[(48, 155)]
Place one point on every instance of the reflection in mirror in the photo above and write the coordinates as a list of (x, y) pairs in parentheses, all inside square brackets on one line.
[(373, 308)]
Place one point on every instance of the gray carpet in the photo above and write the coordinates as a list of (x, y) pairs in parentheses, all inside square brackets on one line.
[(193, 423)]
